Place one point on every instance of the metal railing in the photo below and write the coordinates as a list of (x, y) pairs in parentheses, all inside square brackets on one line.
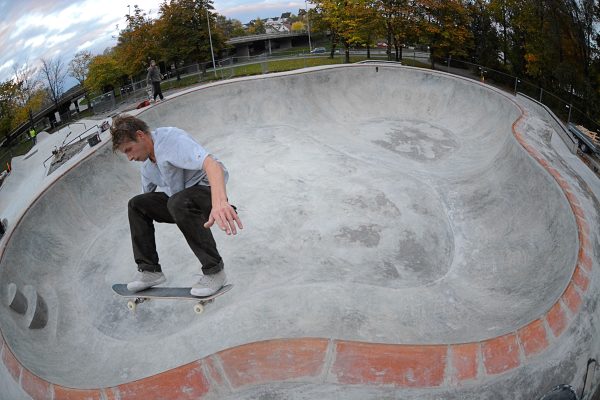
[(570, 110)]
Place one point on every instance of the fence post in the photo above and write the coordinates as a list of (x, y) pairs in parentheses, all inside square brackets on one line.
[(541, 94), (516, 84)]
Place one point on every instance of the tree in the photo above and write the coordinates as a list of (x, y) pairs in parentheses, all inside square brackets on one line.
[(13, 111), (230, 27), (54, 73), (400, 18), (104, 73), (485, 34), (79, 68), (297, 26), (257, 27), (445, 28), (27, 84), (334, 16), (139, 42), (184, 30), (8, 106)]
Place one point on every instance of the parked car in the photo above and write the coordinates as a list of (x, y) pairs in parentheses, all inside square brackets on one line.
[(318, 50)]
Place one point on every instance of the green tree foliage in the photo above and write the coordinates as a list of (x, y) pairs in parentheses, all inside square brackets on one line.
[(446, 28), (15, 107), (485, 35), (183, 30), (257, 27), (400, 19), (137, 43), (335, 16), (230, 28), (9, 91), (105, 72)]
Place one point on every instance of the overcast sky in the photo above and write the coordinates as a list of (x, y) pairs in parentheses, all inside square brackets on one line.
[(32, 29)]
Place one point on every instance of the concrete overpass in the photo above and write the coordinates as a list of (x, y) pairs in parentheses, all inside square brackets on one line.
[(64, 104), (245, 45)]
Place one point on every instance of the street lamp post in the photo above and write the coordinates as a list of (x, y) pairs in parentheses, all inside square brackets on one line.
[(308, 24), (212, 53), (570, 107)]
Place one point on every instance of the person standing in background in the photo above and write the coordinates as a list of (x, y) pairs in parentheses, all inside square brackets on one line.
[(154, 77), (33, 135)]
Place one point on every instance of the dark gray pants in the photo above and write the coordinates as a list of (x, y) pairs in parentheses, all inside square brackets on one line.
[(156, 89), (189, 209)]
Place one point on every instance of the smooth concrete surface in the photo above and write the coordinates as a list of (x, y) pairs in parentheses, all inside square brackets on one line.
[(380, 204)]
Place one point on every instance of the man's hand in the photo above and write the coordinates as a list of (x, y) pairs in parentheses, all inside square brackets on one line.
[(225, 217)]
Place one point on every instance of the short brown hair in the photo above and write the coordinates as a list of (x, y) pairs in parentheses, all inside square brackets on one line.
[(123, 129)]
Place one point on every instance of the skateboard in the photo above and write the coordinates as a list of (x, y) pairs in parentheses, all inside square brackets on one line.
[(174, 293)]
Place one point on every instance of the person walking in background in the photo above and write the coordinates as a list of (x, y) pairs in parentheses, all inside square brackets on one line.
[(154, 77), (33, 135)]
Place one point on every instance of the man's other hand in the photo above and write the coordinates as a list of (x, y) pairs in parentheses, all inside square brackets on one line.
[(225, 217)]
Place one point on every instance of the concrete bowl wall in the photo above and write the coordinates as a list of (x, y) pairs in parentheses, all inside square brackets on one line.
[(381, 204)]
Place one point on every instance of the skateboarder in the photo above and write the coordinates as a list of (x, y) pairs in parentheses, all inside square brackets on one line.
[(194, 198)]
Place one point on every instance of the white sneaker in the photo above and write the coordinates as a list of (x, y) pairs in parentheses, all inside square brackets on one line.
[(209, 284), (145, 279)]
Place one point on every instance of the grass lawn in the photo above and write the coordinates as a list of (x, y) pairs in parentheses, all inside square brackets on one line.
[(304, 62), (286, 64), (7, 154)]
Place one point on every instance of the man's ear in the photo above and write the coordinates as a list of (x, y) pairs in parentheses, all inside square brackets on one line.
[(139, 135)]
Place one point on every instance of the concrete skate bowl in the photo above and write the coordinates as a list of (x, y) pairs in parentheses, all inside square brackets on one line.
[(389, 212)]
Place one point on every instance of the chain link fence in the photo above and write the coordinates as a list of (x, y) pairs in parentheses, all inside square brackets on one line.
[(568, 106)]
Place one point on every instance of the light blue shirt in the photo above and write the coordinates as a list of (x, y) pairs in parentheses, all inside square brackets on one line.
[(179, 161)]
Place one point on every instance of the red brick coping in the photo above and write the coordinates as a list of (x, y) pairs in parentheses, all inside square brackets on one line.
[(319, 360)]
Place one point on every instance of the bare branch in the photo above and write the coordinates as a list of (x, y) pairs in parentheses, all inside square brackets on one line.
[(53, 72)]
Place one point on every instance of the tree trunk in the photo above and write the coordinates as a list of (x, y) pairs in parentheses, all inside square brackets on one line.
[(333, 44), (347, 51), (389, 40)]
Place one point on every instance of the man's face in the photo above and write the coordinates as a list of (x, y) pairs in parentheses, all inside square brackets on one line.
[(136, 150)]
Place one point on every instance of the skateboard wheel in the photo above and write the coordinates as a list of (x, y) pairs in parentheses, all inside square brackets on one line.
[(131, 305), (198, 308)]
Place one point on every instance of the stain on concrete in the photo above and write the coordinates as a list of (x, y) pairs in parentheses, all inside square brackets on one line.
[(367, 235), (419, 140)]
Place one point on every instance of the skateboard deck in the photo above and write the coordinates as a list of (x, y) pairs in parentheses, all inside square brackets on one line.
[(173, 293)]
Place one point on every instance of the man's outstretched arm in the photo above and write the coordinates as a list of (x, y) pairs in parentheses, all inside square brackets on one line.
[(222, 213)]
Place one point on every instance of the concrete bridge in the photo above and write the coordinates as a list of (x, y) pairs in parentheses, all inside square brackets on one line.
[(245, 45)]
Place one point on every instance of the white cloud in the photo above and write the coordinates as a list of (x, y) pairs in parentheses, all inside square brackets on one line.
[(53, 40), (35, 41), (257, 7), (7, 64), (85, 45)]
